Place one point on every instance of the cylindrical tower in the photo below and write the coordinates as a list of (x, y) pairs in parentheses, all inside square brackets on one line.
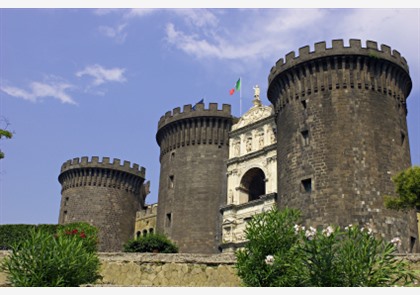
[(193, 153), (342, 134), (104, 194)]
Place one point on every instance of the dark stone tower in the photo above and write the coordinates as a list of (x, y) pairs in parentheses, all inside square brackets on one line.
[(192, 187), (342, 134), (106, 195)]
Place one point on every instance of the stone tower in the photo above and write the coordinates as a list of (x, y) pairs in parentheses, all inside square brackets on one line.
[(342, 134), (104, 194), (194, 147)]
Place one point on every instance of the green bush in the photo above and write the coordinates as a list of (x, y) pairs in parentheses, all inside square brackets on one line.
[(281, 253), (270, 233), (87, 233), (151, 243), (11, 234), (51, 260)]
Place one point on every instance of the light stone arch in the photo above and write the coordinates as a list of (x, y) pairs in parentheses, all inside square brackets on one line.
[(252, 184)]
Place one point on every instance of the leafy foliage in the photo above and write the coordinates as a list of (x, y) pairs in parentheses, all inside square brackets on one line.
[(281, 253), (11, 234), (407, 188), (4, 133), (151, 243), (46, 260), (270, 233), (83, 231)]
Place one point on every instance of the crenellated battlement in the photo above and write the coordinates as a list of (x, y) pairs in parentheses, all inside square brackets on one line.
[(336, 68), (94, 162), (194, 126), (190, 112), (338, 49)]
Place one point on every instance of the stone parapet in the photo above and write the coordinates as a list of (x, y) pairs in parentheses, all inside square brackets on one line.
[(173, 270), (163, 270)]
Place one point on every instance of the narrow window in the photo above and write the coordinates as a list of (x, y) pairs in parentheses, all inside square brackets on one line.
[(66, 201), (171, 181), (402, 138), (304, 104), (307, 185), (168, 219), (65, 216), (412, 244), (172, 156), (305, 137)]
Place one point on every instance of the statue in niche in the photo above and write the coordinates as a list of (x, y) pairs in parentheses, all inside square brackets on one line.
[(237, 146), (261, 139), (272, 136), (249, 144)]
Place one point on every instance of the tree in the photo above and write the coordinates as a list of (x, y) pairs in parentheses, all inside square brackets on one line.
[(407, 188), (5, 133)]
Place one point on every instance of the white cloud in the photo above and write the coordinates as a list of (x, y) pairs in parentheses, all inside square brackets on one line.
[(139, 12), (105, 11), (102, 75), (39, 90), (117, 33), (197, 17), (271, 33)]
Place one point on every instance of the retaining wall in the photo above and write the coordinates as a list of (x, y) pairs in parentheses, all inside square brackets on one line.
[(173, 270)]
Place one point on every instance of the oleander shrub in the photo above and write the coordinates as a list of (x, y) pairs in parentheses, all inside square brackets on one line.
[(11, 234), (270, 233), (282, 253), (51, 260), (151, 243), (83, 231)]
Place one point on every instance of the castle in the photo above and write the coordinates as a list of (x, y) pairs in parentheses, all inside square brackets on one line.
[(329, 143)]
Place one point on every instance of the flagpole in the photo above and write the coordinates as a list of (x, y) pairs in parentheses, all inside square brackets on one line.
[(240, 97)]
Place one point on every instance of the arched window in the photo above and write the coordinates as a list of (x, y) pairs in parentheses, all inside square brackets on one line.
[(144, 232), (151, 231), (252, 185), (138, 234)]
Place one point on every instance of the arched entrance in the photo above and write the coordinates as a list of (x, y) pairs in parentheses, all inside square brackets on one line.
[(252, 185)]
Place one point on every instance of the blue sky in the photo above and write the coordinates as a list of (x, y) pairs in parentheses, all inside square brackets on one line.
[(95, 82)]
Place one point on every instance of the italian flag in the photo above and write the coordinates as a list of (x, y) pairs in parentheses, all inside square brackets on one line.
[(236, 88)]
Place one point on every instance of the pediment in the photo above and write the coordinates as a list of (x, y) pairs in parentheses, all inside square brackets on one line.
[(255, 114)]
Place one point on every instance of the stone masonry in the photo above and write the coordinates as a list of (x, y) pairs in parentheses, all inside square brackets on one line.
[(342, 134), (104, 194), (194, 147)]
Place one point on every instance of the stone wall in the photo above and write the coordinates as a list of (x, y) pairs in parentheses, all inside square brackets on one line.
[(174, 270), (164, 270)]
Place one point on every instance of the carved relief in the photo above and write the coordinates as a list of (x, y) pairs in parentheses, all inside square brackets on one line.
[(272, 136), (249, 144), (239, 237), (237, 146), (255, 114), (261, 139), (227, 236)]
